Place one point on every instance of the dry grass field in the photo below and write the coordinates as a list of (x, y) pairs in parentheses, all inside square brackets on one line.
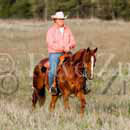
[(108, 105)]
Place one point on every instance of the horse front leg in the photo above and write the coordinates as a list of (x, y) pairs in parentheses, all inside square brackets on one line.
[(82, 99), (53, 102), (66, 99)]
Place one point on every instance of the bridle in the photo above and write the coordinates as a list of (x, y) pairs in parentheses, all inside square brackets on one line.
[(92, 62)]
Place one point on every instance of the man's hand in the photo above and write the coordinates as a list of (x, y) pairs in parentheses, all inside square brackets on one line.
[(67, 49), (73, 46)]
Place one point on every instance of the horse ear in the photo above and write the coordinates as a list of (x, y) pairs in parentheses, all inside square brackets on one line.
[(95, 50), (88, 49)]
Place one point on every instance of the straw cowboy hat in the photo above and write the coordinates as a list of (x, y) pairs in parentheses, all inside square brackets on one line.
[(59, 15)]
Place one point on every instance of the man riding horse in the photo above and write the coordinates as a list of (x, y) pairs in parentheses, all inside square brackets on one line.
[(59, 40)]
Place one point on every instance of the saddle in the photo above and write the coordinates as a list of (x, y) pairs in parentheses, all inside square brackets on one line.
[(45, 63), (65, 57)]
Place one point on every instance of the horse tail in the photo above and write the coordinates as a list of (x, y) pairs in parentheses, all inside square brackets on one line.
[(39, 92), (42, 96)]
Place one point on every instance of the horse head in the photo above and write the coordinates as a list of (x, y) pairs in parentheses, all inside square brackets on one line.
[(89, 60)]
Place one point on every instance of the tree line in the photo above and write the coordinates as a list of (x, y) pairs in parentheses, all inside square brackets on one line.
[(43, 9)]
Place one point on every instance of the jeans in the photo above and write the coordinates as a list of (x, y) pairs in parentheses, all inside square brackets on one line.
[(54, 61)]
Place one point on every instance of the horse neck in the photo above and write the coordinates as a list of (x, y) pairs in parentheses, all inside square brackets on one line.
[(78, 57)]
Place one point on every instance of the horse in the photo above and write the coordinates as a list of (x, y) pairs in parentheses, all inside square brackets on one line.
[(69, 76)]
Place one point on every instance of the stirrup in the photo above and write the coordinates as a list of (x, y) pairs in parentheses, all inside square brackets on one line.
[(53, 91)]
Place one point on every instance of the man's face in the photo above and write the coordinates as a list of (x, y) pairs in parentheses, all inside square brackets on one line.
[(59, 22)]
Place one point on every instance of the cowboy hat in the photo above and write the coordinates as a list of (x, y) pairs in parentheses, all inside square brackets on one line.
[(59, 15)]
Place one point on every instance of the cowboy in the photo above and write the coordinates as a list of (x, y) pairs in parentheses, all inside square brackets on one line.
[(59, 40)]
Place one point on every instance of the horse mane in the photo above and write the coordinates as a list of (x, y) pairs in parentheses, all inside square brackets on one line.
[(78, 56)]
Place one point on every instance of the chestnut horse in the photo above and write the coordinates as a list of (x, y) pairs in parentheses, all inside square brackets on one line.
[(69, 79)]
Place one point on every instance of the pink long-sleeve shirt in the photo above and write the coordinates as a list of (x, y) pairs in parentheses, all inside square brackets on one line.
[(58, 42)]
